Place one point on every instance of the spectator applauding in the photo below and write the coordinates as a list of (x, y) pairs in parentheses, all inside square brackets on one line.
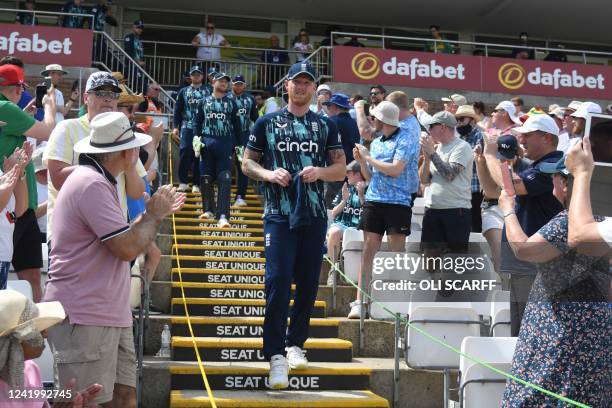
[(89, 264), (503, 119)]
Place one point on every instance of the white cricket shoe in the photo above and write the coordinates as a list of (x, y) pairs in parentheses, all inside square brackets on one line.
[(183, 188), (296, 358), (279, 372), (223, 222)]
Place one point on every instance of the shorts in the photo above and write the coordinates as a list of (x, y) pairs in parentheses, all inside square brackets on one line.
[(382, 217), (338, 225), (447, 228), (492, 218), (27, 253), (93, 354)]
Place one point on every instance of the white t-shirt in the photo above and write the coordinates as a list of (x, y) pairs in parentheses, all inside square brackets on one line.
[(59, 102), (6, 229), (205, 51), (306, 50), (43, 193), (443, 194), (605, 230)]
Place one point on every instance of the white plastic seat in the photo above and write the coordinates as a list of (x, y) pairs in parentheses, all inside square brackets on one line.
[(496, 351), (500, 313), (352, 245), (45, 256)]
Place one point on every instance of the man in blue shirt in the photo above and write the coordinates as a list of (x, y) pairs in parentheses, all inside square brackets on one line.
[(216, 133), (294, 146), (535, 202), (388, 199), (187, 103), (248, 114), (338, 108)]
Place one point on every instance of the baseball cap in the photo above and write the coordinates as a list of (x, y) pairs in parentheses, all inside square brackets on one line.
[(457, 99), (340, 100), (543, 123), (585, 109), (100, 79), (507, 147), (195, 68), (221, 75), (574, 105), (302, 68), (239, 79), (553, 168), (138, 24), (511, 109), (211, 70), (11, 75), (323, 87), (441, 118), (557, 112), (387, 112), (37, 160)]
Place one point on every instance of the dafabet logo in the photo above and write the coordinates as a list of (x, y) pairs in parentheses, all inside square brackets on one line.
[(511, 75), (365, 65)]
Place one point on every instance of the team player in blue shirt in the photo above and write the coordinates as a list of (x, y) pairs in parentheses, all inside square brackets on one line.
[(248, 114), (187, 103), (289, 150), (217, 132)]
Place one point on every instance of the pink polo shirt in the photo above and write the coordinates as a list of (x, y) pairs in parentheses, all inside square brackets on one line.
[(92, 284)]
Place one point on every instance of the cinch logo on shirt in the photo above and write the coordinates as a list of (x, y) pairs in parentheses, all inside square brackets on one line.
[(352, 211), (215, 115), (305, 147), (242, 111)]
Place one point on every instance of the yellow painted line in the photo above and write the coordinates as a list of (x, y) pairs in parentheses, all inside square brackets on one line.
[(218, 259), (254, 321), (219, 271), (237, 370), (197, 220), (221, 248), (354, 399), (206, 285), (198, 228), (232, 214), (233, 302), (255, 343), (212, 238)]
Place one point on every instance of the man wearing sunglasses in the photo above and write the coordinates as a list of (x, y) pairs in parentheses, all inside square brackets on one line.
[(101, 95), (18, 125), (377, 94)]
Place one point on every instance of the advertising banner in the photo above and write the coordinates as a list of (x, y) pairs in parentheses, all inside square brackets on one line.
[(47, 45), (481, 74)]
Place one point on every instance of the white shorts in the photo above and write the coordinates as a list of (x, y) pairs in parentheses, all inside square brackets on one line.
[(492, 218)]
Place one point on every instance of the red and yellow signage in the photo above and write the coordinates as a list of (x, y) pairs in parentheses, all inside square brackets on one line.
[(485, 74)]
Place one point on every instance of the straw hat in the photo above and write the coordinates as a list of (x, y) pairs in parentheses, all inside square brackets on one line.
[(12, 304), (111, 132)]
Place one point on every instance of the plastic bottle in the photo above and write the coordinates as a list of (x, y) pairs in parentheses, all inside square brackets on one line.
[(164, 351)]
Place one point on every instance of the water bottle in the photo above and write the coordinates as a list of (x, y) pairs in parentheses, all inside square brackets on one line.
[(164, 351)]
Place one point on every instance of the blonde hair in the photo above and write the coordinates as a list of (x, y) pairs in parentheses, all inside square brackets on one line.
[(399, 99)]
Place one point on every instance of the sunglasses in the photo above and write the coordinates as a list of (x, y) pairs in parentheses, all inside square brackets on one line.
[(105, 94), (210, 28), (375, 93)]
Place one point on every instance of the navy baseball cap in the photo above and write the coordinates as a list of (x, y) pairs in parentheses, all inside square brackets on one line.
[(507, 147), (100, 79), (195, 68), (302, 68), (221, 75), (552, 167), (340, 100), (239, 79), (138, 24), (211, 70)]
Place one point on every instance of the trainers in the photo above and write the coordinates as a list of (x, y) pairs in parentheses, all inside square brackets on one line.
[(183, 187), (355, 312), (223, 222), (296, 358), (279, 372), (195, 189), (240, 202), (207, 216)]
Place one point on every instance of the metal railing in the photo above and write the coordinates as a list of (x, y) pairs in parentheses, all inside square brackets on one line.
[(50, 13), (320, 59), (487, 48)]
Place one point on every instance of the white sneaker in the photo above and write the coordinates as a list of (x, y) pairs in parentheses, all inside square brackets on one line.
[(223, 222), (355, 312), (296, 358), (207, 216), (279, 372), (183, 187), (240, 202), (195, 189)]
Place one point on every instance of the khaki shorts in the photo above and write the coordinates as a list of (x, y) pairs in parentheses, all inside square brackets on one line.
[(93, 354)]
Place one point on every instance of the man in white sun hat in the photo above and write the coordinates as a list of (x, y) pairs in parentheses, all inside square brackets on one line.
[(580, 115), (89, 263), (503, 119), (56, 73)]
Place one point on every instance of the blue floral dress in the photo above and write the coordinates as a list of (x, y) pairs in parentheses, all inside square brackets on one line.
[(565, 342)]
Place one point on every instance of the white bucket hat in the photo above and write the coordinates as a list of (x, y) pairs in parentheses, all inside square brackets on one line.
[(511, 109), (12, 305), (53, 67), (387, 112), (111, 132)]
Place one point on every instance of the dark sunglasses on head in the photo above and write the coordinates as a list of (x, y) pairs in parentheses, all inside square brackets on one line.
[(105, 94)]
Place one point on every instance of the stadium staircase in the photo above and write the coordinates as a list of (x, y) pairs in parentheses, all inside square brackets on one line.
[(222, 275)]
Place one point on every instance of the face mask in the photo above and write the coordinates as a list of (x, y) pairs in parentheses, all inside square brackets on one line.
[(464, 129)]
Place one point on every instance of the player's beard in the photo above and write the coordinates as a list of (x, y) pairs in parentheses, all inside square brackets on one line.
[(300, 98)]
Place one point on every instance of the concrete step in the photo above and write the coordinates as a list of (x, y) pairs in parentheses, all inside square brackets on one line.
[(254, 376), (214, 262), (220, 290), (226, 251), (244, 327), (231, 307), (228, 276), (277, 399), (251, 349)]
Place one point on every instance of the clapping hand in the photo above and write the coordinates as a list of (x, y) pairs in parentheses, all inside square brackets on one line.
[(167, 200), (345, 192)]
